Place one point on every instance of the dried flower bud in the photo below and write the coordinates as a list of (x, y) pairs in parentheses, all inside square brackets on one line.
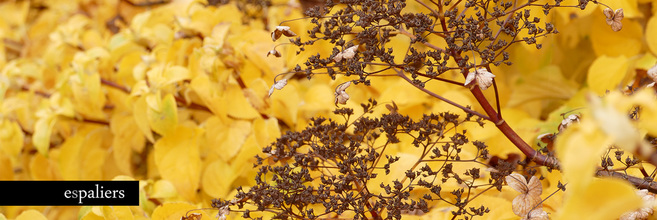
[(652, 73), (574, 118), (274, 52), (278, 85), (614, 18), (346, 54), (530, 193), (282, 30), (340, 95), (482, 77)]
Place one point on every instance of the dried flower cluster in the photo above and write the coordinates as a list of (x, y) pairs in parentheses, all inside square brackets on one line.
[(326, 166)]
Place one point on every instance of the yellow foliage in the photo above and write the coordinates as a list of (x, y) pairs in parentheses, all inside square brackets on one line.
[(175, 95)]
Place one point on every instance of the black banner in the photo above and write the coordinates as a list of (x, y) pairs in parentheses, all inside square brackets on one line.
[(69, 193)]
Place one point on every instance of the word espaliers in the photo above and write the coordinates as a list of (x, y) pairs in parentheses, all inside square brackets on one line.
[(99, 193)]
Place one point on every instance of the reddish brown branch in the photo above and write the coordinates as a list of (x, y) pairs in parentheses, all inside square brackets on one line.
[(637, 182)]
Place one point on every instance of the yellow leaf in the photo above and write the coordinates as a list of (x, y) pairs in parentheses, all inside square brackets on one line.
[(578, 149), (6, 167), (266, 131), (174, 211), (163, 189), (42, 168), (605, 41), (140, 114), (225, 138), (615, 124), (606, 73), (178, 160), (216, 40), (458, 96), (217, 178), (31, 215), (545, 84), (117, 212), (86, 213), (42, 132), (164, 121), (408, 98), (126, 138), (88, 95), (82, 156), (651, 34), (210, 95), (602, 199), (239, 107), (285, 104), (11, 137), (242, 163)]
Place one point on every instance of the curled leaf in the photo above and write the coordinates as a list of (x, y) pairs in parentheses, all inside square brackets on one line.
[(282, 30), (481, 77), (614, 18), (340, 95), (278, 85)]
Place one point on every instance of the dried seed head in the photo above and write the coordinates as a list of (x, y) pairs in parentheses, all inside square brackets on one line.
[(614, 18), (346, 54), (340, 95), (481, 77), (281, 30), (278, 85), (274, 52)]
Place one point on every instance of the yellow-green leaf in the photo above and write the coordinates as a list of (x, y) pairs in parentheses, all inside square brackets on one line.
[(165, 120)]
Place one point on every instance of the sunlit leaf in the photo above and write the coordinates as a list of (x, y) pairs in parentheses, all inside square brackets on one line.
[(606, 73), (164, 119), (177, 159)]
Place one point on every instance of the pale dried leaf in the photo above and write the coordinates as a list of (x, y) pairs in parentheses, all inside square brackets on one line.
[(614, 18), (481, 77), (277, 85)]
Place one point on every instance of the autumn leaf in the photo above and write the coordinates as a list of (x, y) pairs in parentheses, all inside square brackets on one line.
[(177, 159)]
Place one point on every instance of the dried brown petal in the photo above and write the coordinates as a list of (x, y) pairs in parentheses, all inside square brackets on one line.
[(281, 30), (340, 95), (274, 52), (614, 18), (530, 193)]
